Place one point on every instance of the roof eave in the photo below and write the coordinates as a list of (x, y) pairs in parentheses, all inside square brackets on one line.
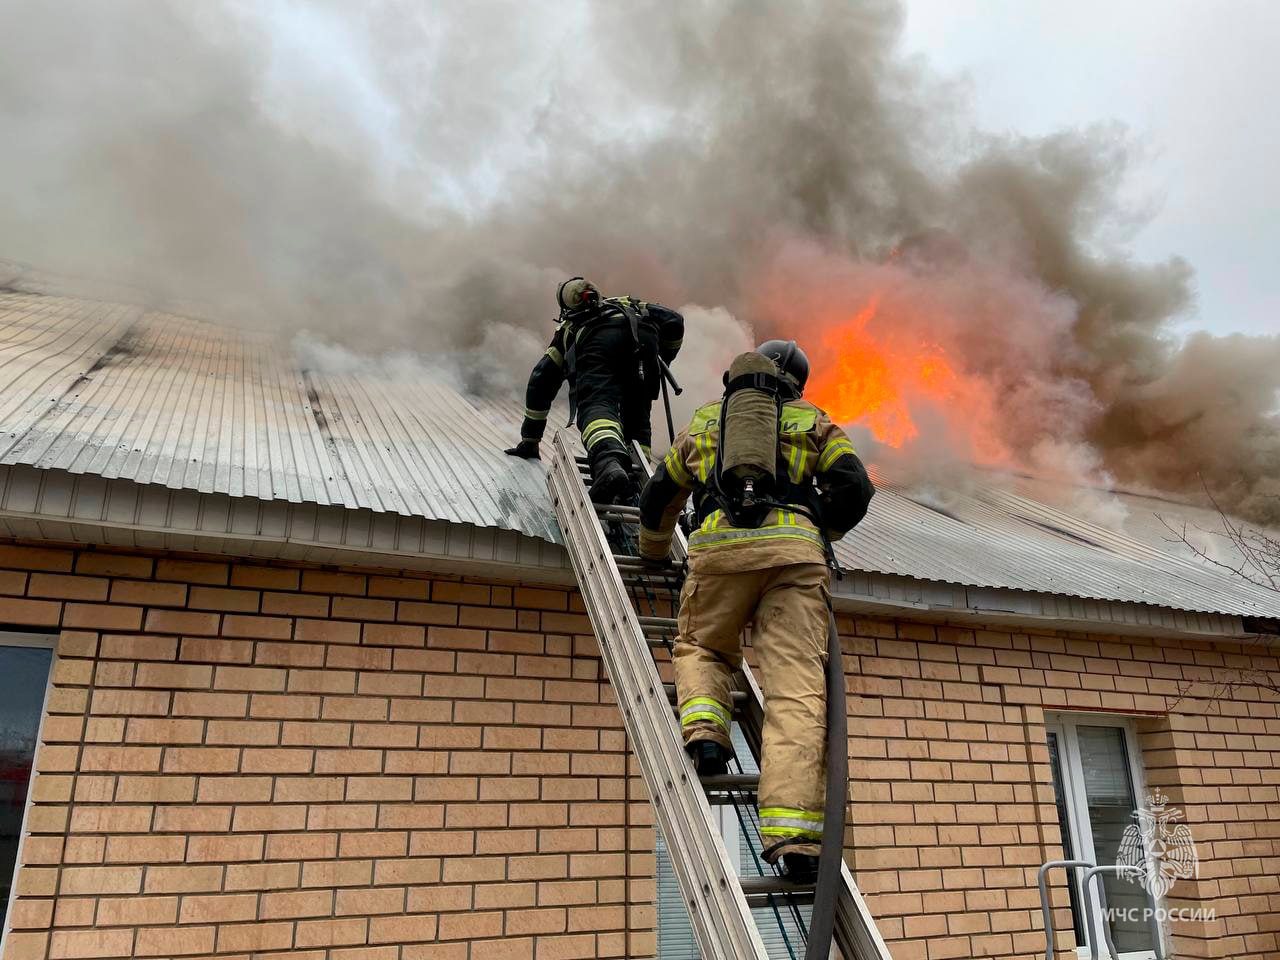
[(877, 594), (58, 506)]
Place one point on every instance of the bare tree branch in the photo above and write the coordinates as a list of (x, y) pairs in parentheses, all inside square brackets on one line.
[(1257, 554), (1254, 557)]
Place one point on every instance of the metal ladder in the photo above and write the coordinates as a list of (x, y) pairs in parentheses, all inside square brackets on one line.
[(612, 581)]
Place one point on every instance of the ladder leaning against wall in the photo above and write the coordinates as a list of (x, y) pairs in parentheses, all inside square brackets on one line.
[(631, 607)]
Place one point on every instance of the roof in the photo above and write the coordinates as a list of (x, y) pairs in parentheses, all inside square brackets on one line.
[(99, 389), (990, 535), (122, 392)]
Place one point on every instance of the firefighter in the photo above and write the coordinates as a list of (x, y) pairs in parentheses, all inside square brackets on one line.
[(770, 572), (611, 351)]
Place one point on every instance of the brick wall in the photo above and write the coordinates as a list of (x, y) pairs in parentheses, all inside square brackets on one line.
[(953, 809), (265, 760)]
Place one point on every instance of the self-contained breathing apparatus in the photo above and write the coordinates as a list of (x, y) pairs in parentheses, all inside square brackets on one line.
[(750, 477)]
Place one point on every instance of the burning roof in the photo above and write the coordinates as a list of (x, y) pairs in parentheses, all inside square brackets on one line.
[(101, 390)]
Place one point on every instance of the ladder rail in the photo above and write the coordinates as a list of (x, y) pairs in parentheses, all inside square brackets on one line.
[(719, 913)]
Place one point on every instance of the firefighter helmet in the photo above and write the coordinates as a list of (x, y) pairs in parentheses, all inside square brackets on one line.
[(576, 293), (790, 359)]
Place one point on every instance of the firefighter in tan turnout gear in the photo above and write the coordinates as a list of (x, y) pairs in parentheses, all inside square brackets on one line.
[(760, 475)]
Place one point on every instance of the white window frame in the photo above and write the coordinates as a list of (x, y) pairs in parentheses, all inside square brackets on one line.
[(40, 641), (1079, 829)]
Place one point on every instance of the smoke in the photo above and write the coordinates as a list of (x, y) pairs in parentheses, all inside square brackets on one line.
[(396, 178)]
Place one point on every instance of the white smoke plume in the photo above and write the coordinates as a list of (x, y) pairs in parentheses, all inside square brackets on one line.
[(401, 177)]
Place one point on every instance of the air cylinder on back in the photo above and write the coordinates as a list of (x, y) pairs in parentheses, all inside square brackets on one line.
[(749, 433)]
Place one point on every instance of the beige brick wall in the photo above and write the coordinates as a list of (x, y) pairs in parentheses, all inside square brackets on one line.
[(952, 804), (245, 760)]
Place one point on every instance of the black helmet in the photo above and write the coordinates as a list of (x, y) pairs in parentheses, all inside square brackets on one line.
[(576, 293), (791, 361)]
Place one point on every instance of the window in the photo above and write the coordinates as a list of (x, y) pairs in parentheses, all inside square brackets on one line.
[(25, 660), (1097, 785)]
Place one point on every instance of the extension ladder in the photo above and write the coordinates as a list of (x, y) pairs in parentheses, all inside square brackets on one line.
[(613, 580)]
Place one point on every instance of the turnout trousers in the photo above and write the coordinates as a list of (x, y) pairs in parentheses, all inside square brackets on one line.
[(787, 606), (615, 384)]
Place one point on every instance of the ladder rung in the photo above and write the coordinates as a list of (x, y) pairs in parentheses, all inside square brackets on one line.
[(739, 696), (660, 623), (644, 570), (621, 509), (758, 900), (607, 516), (761, 888), (657, 581), (659, 633), (626, 561), (746, 782)]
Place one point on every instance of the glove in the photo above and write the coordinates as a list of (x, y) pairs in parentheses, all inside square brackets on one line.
[(653, 549), (525, 449)]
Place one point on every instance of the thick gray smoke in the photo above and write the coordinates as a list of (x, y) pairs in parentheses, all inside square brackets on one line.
[(396, 179)]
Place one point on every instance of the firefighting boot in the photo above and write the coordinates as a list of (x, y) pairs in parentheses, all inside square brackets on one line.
[(632, 497), (710, 759), (612, 483), (796, 866), (800, 867)]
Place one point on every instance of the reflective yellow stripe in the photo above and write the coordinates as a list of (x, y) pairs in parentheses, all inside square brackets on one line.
[(791, 812), (676, 469), (704, 538), (711, 523), (703, 443), (834, 451), (556, 356), (788, 822), (704, 708), (603, 429), (785, 831), (795, 460), (535, 414)]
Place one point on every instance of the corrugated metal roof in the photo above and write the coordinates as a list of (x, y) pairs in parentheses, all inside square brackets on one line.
[(94, 388), (992, 537), (121, 392)]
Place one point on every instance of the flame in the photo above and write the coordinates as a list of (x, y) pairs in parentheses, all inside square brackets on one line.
[(885, 376)]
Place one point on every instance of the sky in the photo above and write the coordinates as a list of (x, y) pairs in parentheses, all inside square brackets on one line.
[(1196, 81), (404, 176)]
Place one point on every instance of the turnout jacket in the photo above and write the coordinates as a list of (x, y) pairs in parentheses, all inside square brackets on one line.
[(556, 365), (825, 478)]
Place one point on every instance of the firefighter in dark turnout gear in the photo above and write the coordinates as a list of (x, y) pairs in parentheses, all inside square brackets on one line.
[(609, 350), (761, 562)]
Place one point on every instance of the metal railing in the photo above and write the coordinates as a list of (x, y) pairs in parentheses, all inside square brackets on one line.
[(1086, 886)]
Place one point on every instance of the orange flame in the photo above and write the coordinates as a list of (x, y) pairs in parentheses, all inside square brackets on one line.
[(883, 379)]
